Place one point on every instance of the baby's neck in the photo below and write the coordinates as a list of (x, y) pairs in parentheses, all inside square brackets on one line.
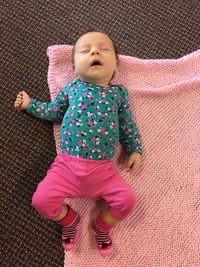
[(97, 83)]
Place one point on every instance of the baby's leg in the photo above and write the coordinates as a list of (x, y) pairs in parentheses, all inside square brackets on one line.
[(121, 201), (48, 200), (70, 226)]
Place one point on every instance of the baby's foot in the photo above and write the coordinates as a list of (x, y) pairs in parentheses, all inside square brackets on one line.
[(69, 234), (103, 240)]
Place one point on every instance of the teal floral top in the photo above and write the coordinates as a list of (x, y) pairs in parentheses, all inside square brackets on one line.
[(93, 120)]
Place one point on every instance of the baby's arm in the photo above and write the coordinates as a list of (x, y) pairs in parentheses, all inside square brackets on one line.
[(129, 133), (52, 111)]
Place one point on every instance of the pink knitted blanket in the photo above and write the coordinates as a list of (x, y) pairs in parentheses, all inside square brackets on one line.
[(164, 230)]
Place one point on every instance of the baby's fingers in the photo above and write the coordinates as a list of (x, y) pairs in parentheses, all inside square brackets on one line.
[(18, 101), (136, 165), (17, 104), (20, 95)]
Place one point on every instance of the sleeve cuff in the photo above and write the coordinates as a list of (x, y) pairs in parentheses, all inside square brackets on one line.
[(28, 109), (135, 151)]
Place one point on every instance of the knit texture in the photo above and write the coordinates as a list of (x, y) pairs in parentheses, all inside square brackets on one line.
[(164, 229)]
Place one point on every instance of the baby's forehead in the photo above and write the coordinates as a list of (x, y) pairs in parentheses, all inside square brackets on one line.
[(93, 37)]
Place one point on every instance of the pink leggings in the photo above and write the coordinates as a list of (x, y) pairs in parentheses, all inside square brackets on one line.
[(71, 177)]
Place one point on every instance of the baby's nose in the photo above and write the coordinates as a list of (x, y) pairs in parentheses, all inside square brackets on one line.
[(94, 51)]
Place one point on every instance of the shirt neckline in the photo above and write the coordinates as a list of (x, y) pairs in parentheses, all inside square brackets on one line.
[(96, 85)]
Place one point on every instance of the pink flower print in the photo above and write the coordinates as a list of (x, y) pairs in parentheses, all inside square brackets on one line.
[(111, 123), (93, 139), (89, 114), (67, 132), (127, 111), (80, 143), (90, 123), (94, 149), (127, 132), (113, 107), (85, 95), (104, 154), (56, 108), (99, 93), (113, 144), (135, 140), (40, 107), (103, 130), (84, 106)]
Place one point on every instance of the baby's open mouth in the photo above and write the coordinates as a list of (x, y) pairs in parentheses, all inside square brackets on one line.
[(96, 62)]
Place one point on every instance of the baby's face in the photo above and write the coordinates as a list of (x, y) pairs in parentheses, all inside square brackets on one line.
[(94, 58)]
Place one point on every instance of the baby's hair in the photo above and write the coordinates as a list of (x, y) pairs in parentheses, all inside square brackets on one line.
[(93, 30)]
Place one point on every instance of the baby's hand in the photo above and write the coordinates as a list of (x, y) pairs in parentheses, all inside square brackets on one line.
[(133, 162), (22, 101)]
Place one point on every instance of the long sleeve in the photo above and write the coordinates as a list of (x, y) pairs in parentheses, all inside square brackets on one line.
[(52, 111), (129, 133)]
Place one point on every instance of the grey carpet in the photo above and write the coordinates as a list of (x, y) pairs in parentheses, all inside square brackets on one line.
[(146, 29)]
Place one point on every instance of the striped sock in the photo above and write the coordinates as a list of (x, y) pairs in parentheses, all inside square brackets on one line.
[(104, 242), (70, 226), (69, 233)]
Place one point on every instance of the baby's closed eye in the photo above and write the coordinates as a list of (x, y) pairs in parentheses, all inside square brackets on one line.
[(105, 49), (84, 51)]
